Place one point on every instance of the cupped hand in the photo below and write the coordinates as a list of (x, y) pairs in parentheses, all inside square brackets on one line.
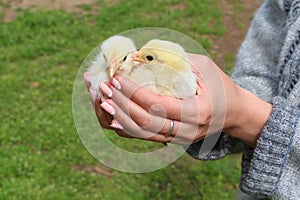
[(218, 105), (146, 115)]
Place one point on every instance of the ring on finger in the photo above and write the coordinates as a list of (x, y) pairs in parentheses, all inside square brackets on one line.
[(171, 128)]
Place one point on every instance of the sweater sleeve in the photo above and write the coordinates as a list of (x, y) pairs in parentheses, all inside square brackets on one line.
[(272, 169), (270, 71), (255, 70)]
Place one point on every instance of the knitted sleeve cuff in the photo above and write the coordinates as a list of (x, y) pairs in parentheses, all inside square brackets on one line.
[(262, 167)]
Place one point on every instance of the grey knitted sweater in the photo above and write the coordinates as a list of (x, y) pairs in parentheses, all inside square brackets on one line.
[(268, 65)]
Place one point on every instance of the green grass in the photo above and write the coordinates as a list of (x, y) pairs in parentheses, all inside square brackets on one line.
[(230, 60), (85, 7), (42, 156)]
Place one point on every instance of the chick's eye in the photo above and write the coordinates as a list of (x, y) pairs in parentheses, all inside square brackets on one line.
[(150, 58), (124, 58)]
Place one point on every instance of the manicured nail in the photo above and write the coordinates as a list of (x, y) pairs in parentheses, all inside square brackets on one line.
[(116, 125), (99, 96), (108, 108), (116, 83), (106, 89), (102, 98)]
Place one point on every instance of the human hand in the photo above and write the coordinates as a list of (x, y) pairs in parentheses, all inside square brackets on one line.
[(146, 115), (218, 104)]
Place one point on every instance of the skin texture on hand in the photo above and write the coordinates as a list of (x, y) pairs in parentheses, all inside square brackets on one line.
[(219, 104)]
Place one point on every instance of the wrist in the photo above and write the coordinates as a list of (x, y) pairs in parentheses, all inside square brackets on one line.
[(246, 116)]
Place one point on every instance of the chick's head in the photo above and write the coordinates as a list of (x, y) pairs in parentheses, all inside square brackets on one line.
[(162, 52), (114, 50)]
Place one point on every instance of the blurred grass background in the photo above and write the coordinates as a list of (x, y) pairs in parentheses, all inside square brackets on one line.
[(41, 155)]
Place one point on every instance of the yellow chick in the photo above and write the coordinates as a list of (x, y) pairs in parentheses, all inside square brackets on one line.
[(162, 67)]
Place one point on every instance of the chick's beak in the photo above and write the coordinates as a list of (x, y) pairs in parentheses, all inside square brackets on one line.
[(137, 56), (112, 70)]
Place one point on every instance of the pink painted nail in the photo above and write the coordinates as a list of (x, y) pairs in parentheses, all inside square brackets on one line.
[(116, 125), (108, 108), (116, 83), (102, 98), (106, 89)]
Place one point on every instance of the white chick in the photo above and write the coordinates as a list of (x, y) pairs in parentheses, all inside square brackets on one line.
[(112, 52)]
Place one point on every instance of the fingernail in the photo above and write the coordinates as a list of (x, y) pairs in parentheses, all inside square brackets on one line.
[(116, 125), (116, 83), (108, 108), (106, 89), (99, 96), (102, 98)]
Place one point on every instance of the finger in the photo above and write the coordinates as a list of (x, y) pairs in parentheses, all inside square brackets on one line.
[(145, 120), (155, 138), (153, 123), (184, 110), (106, 89), (147, 99), (141, 117), (122, 133), (103, 117), (186, 133), (116, 125), (132, 129)]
